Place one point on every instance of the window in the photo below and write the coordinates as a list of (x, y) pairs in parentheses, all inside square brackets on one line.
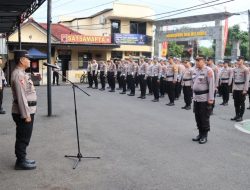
[(116, 54), (115, 28), (138, 27)]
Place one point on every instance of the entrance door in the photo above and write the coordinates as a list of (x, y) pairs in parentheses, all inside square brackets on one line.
[(86, 57), (65, 64)]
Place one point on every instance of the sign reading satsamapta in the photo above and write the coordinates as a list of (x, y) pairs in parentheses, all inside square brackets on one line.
[(82, 39)]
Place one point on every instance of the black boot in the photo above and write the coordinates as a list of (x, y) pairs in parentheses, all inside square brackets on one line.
[(203, 138), (2, 111), (25, 165), (197, 138)]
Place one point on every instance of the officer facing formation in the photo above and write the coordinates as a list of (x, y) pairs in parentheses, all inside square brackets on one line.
[(94, 70), (203, 89), (23, 109), (240, 88), (142, 72), (3, 83), (89, 73)]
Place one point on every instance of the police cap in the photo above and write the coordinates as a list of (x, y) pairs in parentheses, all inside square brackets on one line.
[(19, 54), (240, 57), (199, 57)]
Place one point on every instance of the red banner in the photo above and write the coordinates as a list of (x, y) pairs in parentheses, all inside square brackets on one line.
[(164, 49), (81, 39), (225, 34)]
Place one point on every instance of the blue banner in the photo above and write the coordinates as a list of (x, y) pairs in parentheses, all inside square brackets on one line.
[(130, 39)]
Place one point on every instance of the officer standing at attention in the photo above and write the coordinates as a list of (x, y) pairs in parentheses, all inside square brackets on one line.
[(225, 82), (240, 87), (142, 71), (187, 84), (156, 75), (23, 109), (112, 74), (203, 88), (103, 74), (89, 73), (2, 84), (171, 78), (94, 73)]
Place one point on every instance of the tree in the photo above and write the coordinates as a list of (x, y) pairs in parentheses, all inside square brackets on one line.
[(234, 33), (208, 52), (175, 50)]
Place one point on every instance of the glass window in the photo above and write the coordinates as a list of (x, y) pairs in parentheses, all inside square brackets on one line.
[(116, 54), (138, 27)]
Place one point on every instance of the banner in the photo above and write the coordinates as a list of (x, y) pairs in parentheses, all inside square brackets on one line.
[(130, 39), (81, 39), (225, 34), (164, 49)]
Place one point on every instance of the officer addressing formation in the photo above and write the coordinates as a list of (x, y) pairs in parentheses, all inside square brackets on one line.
[(23, 109)]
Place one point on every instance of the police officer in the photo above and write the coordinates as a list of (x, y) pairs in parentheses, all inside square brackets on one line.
[(149, 77), (95, 73), (124, 68), (163, 78), (240, 87), (131, 76), (225, 82), (156, 75), (103, 74), (55, 74), (203, 88), (171, 78), (119, 67), (23, 109), (3, 83), (89, 73), (112, 74), (187, 84), (142, 72)]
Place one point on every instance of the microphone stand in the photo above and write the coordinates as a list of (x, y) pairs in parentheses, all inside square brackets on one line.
[(79, 154)]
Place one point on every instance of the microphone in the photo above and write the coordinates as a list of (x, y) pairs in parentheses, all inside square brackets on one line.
[(50, 65)]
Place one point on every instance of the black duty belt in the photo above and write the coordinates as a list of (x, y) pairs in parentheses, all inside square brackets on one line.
[(239, 82), (187, 79), (224, 79), (30, 103), (170, 76), (201, 92)]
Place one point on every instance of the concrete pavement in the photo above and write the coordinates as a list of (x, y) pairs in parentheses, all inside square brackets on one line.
[(142, 145)]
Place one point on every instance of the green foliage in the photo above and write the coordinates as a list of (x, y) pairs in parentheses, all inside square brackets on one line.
[(175, 50), (234, 33), (208, 52)]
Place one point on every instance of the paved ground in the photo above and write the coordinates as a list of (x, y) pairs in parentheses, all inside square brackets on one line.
[(142, 145)]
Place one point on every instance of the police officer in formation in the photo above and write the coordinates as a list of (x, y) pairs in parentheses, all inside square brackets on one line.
[(89, 73), (187, 84), (171, 79), (94, 70), (111, 75), (131, 76), (203, 88), (23, 109), (142, 73), (156, 75), (226, 77), (240, 88), (3, 83), (103, 74)]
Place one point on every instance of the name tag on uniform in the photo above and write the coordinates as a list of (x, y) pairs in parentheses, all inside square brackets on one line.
[(201, 77)]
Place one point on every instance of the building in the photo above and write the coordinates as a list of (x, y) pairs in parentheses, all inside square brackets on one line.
[(122, 31)]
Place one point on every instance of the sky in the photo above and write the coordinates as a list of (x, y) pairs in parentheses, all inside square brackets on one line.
[(82, 8)]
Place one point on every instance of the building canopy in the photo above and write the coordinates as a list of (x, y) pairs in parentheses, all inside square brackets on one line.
[(13, 12)]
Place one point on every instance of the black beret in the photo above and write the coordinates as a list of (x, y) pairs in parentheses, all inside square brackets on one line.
[(241, 57)]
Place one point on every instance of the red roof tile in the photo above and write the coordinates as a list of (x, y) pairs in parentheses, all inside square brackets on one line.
[(58, 29)]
